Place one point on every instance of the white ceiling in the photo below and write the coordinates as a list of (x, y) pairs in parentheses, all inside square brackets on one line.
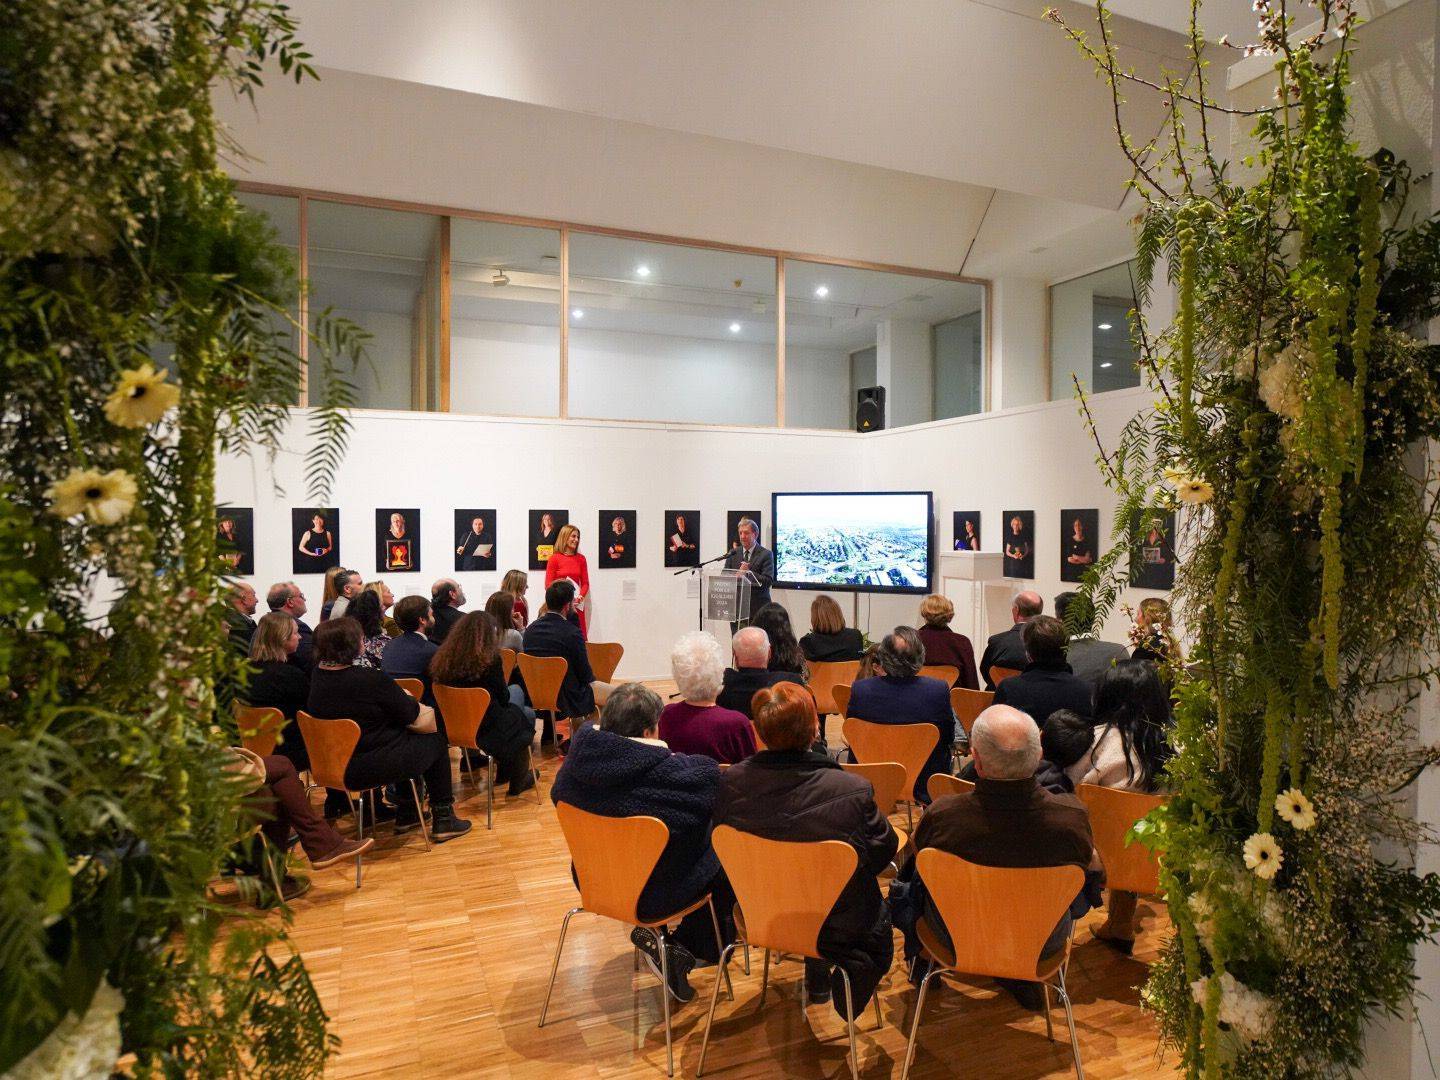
[(1235, 18)]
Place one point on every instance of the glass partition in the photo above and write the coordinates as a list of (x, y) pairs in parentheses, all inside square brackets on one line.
[(1090, 333)]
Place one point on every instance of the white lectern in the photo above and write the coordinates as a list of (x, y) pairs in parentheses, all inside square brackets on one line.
[(983, 575)]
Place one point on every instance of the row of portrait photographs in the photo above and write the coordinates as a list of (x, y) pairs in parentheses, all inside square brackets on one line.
[(1152, 560), (315, 538)]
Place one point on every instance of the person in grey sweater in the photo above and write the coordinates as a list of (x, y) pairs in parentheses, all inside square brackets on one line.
[(1088, 656)]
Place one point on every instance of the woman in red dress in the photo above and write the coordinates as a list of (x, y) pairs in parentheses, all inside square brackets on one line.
[(567, 562)]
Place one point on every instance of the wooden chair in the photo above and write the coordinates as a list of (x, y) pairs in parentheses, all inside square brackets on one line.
[(259, 728), (946, 673), (998, 919), (909, 744), (330, 744), (464, 710), (999, 674), (1129, 866), (968, 704), (945, 784), (784, 891), (543, 676), (604, 658), (414, 687), (886, 777), (841, 694), (613, 859), (507, 662), (825, 676)]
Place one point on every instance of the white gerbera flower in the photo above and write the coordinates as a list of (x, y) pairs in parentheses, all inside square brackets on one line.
[(1194, 490), (105, 498), (1263, 855), (1296, 808), (141, 397), (1246, 1012), (1280, 386)]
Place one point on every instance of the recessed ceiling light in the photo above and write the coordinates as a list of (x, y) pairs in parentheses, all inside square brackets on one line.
[(822, 291), (500, 278), (1104, 326), (734, 328), (1105, 364), (577, 313), (642, 270)]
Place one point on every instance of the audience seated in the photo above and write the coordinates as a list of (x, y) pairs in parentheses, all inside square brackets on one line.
[(1064, 739), (501, 607), (348, 585), (1006, 649), (750, 650), (901, 695), (286, 597), (829, 638), (240, 617), (388, 751), (1153, 635), (1088, 656), (387, 601), (553, 634), (446, 599), (943, 645), (276, 683), (790, 792), (470, 657), (620, 769), (1008, 820), (366, 610), (331, 590), (697, 725), (285, 810), (408, 656), (1046, 683), (516, 583), (785, 654)]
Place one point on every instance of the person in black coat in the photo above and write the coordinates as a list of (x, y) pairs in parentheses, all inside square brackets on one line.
[(286, 596), (446, 599), (553, 634), (240, 617), (409, 655), (1007, 648), (1047, 683), (829, 639), (750, 648), (790, 792), (276, 683), (621, 769), (749, 557)]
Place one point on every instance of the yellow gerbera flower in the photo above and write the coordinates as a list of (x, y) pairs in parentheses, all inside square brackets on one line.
[(105, 498), (1296, 808), (1263, 855), (141, 397), (1194, 490)]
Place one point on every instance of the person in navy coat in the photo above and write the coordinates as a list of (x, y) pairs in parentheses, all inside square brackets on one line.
[(553, 634)]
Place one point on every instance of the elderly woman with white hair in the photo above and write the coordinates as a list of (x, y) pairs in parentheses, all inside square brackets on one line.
[(697, 725)]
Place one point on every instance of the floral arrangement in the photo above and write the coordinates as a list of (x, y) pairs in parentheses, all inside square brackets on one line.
[(1293, 398), (145, 325)]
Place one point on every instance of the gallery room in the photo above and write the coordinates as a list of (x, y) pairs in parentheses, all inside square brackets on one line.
[(807, 539)]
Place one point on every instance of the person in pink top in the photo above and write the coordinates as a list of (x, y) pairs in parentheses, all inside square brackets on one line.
[(567, 562), (696, 725)]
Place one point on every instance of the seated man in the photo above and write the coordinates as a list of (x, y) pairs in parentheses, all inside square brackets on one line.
[(750, 649), (1008, 820), (620, 769), (1006, 649), (408, 656), (553, 634), (1047, 683), (240, 617), (901, 695), (790, 792), (1089, 657), (286, 596), (696, 724), (1064, 740)]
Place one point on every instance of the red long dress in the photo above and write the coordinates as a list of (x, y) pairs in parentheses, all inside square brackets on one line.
[(577, 570)]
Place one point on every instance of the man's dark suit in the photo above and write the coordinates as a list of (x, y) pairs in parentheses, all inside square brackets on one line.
[(550, 635), (302, 655), (1005, 649), (740, 684), (240, 628), (445, 619), (408, 657), (762, 565)]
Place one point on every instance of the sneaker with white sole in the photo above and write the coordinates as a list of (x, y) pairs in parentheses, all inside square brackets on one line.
[(677, 959)]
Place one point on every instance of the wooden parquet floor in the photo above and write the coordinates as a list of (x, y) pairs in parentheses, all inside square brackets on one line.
[(438, 966)]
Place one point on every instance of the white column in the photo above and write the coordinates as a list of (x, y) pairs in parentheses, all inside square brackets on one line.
[(1017, 342), (904, 366)]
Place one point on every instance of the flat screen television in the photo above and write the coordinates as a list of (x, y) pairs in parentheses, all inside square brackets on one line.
[(854, 541)]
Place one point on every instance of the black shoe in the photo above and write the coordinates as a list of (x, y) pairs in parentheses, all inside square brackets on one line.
[(406, 822), (918, 970), (817, 983), (677, 959), (290, 888), (525, 783), (444, 825), (1028, 994)]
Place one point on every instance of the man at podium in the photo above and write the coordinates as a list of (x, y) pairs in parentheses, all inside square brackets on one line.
[(748, 555)]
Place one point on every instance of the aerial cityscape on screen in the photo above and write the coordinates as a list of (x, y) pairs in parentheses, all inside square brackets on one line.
[(874, 541)]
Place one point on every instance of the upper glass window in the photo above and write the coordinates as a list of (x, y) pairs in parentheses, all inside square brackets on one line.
[(1090, 332)]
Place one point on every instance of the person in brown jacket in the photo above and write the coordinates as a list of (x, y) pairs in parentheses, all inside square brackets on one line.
[(1008, 820), (790, 792)]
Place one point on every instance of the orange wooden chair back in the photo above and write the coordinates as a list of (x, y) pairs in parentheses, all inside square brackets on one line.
[(414, 687), (785, 889), (330, 743), (841, 694), (999, 917), (259, 728), (886, 777), (909, 744), (946, 673), (1131, 867), (543, 676), (944, 784), (507, 662), (968, 704), (825, 676), (613, 858), (604, 658), (463, 708), (999, 674)]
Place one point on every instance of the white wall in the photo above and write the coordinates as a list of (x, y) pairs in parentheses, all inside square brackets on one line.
[(504, 368), (903, 366)]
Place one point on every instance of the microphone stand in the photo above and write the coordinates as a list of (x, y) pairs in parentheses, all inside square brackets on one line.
[(700, 599)]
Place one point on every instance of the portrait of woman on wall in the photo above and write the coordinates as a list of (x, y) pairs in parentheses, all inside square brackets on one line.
[(235, 539), (314, 539), (545, 526), (967, 530), (1078, 529), (682, 537), (1019, 544), (617, 539)]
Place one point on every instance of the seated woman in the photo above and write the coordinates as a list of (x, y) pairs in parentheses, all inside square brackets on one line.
[(1130, 749), (387, 601), (516, 582), (365, 609), (276, 683), (620, 769), (388, 751), (501, 607), (1152, 635), (697, 725), (785, 654), (470, 657), (790, 792), (829, 638), (943, 645)]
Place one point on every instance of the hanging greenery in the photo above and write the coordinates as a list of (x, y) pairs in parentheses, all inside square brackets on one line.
[(1293, 398), (145, 326)]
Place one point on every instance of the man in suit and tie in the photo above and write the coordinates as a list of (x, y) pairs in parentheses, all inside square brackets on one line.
[(748, 556), (408, 656), (240, 617), (1007, 648), (553, 634)]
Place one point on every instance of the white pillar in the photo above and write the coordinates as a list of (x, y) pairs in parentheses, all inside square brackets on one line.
[(904, 366), (1017, 342)]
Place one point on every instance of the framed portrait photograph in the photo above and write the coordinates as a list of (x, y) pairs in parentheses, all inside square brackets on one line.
[(732, 526), (397, 541), (682, 538), (1017, 541), (967, 530), (1079, 542), (1152, 549), (616, 533), (235, 539), (545, 528), (474, 540), (314, 539)]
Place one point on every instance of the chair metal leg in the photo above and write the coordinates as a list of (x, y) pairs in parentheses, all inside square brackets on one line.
[(720, 945), (1049, 1027), (420, 812), (909, 817), (765, 980), (747, 959), (850, 1024), (1070, 1020), (555, 964), (490, 794), (659, 934), (875, 1000), (357, 811), (710, 1015), (915, 1024)]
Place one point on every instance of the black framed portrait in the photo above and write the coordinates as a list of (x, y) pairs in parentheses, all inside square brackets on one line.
[(967, 530), (474, 540), (682, 538), (1017, 541), (235, 539), (1079, 542), (1152, 549), (545, 526), (617, 539), (397, 541), (732, 526), (314, 539)]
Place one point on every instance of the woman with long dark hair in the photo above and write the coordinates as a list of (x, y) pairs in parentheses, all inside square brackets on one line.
[(785, 654), (367, 610)]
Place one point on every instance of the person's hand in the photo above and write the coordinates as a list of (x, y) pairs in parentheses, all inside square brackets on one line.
[(743, 568), (460, 549)]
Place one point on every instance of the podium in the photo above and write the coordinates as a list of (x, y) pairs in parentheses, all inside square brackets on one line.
[(989, 591), (727, 596)]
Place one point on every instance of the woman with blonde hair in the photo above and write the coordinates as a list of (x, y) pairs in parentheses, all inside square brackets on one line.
[(276, 683), (387, 601), (1153, 635), (516, 583), (829, 638), (566, 562), (332, 590), (943, 645)]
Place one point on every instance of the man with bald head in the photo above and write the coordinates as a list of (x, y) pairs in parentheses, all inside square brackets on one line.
[(1008, 820), (750, 648), (1007, 649), (447, 597)]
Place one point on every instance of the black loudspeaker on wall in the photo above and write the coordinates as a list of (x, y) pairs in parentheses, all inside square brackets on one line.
[(870, 408)]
